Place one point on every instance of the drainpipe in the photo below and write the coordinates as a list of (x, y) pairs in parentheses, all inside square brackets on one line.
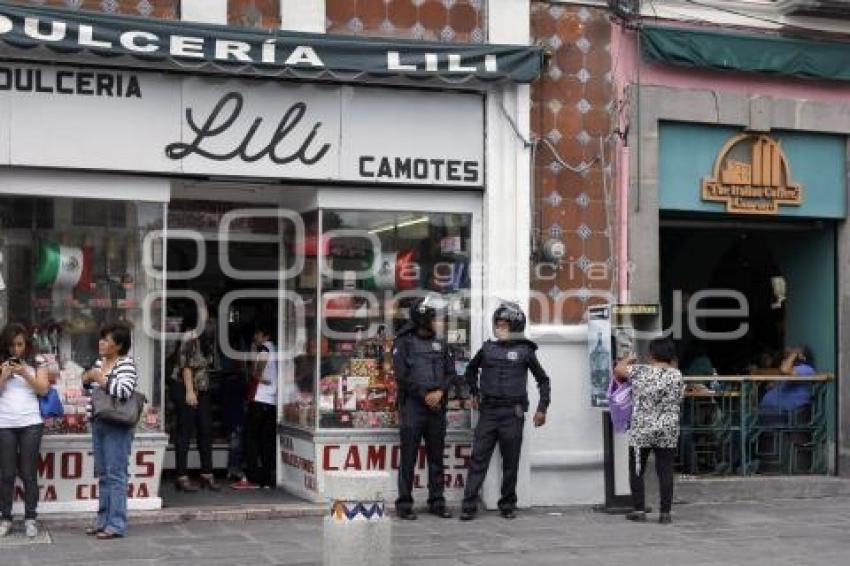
[(623, 225)]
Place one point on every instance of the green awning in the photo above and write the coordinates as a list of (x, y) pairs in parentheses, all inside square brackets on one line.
[(39, 34), (768, 54)]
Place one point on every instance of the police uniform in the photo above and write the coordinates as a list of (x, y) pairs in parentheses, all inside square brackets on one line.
[(503, 401), (421, 365)]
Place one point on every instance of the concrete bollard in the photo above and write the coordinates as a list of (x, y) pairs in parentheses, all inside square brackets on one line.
[(357, 530)]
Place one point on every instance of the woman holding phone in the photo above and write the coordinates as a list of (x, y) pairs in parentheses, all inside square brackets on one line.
[(23, 378)]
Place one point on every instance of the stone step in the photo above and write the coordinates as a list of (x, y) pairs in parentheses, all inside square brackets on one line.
[(691, 489), (200, 513)]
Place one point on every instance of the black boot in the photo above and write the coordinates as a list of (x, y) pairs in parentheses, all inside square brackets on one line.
[(637, 516), (440, 511), (406, 514)]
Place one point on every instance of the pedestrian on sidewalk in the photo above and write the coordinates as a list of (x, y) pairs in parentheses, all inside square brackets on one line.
[(23, 379), (424, 370), (115, 373), (190, 387), (501, 395), (261, 427), (657, 390)]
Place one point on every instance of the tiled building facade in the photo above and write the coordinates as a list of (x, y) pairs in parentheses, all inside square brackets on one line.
[(574, 192)]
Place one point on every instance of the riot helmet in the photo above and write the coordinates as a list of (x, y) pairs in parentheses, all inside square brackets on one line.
[(512, 314)]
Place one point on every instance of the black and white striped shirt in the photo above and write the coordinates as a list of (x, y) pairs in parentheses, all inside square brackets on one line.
[(121, 381)]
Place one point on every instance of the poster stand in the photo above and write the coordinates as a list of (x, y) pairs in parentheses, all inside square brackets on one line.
[(629, 327)]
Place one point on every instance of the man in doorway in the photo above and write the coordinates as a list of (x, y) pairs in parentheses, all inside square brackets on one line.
[(261, 429), (424, 370)]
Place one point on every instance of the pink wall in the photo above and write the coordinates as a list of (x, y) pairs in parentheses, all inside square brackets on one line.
[(625, 61)]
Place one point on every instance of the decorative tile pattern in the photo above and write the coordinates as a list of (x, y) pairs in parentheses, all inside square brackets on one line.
[(260, 14), (449, 21), (573, 97), (162, 9)]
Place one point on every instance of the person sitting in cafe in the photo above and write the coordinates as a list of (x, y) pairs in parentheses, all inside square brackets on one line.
[(789, 396)]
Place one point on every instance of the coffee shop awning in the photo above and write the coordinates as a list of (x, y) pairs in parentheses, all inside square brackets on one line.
[(746, 52), (39, 34)]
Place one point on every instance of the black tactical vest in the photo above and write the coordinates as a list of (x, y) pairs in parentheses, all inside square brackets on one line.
[(504, 370), (426, 362)]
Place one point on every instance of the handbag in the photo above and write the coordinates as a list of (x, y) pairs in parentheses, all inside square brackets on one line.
[(620, 405), (110, 409), (50, 406)]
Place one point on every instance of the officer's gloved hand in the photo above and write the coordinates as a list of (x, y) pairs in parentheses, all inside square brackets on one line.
[(539, 418)]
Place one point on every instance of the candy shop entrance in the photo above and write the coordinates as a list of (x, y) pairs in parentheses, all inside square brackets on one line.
[(237, 280)]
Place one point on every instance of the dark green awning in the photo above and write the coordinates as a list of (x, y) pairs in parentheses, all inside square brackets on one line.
[(769, 54), (88, 38)]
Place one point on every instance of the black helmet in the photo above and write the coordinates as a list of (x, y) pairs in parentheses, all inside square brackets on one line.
[(512, 314), (425, 310)]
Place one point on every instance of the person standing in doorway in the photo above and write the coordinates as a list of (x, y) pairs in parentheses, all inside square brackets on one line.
[(657, 391), (261, 427), (190, 386), (502, 398), (424, 370), (23, 378)]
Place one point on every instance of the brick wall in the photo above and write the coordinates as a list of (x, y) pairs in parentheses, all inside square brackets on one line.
[(572, 108)]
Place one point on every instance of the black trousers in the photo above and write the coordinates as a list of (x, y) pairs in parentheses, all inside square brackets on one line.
[(19, 456), (192, 421), (260, 442), (418, 422), (496, 425), (663, 467)]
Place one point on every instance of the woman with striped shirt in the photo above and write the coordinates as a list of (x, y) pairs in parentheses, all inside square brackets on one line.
[(114, 372)]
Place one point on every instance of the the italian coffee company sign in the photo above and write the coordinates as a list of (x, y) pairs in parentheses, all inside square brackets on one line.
[(147, 122), (752, 176)]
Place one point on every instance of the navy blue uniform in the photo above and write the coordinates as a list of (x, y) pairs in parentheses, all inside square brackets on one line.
[(421, 366), (503, 397)]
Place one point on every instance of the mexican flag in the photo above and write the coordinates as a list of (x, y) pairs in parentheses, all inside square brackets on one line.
[(63, 266)]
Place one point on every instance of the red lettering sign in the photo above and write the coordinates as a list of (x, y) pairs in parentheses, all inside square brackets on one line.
[(463, 452), (71, 466), (46, 464), (145, 466), (352, 460), (326, 458), (376, 458)]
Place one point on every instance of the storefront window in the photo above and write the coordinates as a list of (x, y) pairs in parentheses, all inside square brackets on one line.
[(68, 267), (300, 338), (374, 266)]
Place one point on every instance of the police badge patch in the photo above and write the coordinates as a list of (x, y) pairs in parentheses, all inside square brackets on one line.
[(513, 356), (437, 346)]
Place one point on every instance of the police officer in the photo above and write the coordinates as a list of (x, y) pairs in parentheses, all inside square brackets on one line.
[(502, 399), (424, 370)]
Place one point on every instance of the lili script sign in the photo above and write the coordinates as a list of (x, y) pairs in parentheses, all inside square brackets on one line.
[(147, 122)]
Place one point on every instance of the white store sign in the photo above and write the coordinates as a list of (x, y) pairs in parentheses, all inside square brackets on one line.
[(146, 122), (66, 479)]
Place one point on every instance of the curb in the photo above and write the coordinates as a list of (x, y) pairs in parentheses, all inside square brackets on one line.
[(187, 514)]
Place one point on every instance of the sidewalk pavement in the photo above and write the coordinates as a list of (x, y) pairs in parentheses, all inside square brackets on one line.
[(779, 533)]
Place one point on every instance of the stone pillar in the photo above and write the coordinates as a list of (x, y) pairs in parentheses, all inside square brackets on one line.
[(204, 11), (303, 15), (357, 529)]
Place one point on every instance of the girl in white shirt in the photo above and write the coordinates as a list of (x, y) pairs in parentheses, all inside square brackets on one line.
[(23, 378)]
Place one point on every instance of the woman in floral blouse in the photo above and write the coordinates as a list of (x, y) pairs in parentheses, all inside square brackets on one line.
[(657, 389)]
